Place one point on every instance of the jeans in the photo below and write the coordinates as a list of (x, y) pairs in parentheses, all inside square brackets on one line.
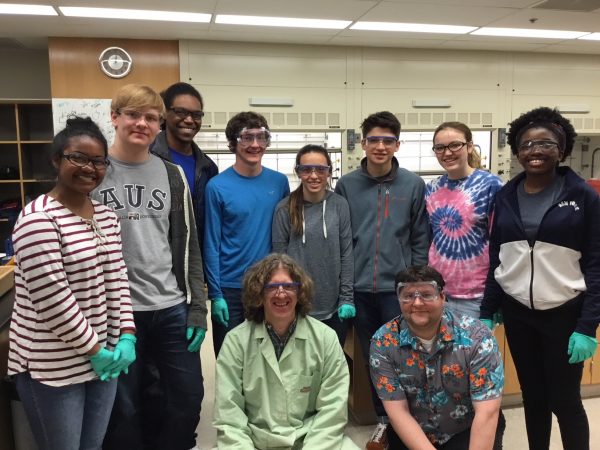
[(160, 338), (373, 311), (538, 341), (72, 417), (233, 297), (339, 326), (464, 306)]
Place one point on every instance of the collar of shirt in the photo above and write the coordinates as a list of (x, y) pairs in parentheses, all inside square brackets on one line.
[(444, 336), (280, 343)]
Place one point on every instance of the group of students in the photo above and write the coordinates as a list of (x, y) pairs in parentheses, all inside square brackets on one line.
[(111, 265)]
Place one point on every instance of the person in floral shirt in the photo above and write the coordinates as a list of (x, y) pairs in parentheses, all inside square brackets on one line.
[(439, 375)]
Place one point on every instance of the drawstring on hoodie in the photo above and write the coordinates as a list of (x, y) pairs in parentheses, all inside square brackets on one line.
[(323, 219)]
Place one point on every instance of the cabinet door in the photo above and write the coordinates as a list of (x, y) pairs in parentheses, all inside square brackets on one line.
[(595, 364), (511, 382)]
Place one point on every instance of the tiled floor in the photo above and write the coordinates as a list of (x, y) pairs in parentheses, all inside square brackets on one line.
[(514, 437)]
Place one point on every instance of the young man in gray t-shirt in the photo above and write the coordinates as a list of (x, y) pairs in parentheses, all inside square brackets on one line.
[(160, 247)]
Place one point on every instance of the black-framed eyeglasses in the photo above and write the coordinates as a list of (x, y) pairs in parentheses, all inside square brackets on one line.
[(452, 146), (387, 141), (273, 288), (81, 160), (544, 146), (305, 170), (183, 113)]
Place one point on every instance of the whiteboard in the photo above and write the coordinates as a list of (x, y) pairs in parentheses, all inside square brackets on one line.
[(98, 109)]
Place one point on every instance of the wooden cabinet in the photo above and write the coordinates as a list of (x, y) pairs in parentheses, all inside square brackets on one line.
[(25, 168), (360, 404)]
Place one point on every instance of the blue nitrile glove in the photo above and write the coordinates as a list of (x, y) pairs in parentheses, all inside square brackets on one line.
[(220, 311), (196, 334), (581, 347), (489, 323), (346, 312), (100, 363), (124, 355), (498, 318)]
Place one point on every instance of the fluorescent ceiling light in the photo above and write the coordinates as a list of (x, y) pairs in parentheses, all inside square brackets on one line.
[(289, 22), (591, 37), (412, 27), (30, 10), (134, 14), (527, 32)]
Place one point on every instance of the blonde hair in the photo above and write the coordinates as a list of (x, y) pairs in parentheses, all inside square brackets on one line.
[(137, 96), (473, 158)]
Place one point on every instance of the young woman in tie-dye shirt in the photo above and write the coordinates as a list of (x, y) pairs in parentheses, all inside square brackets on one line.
[(460, 204)]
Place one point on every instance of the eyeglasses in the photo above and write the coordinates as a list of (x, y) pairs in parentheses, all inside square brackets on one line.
[(409, 297), (136, 116), (247, 139), (81, 160), (388, 141), (183, 113), (306, 170), (273, 288), (544, 146), (452, 146)]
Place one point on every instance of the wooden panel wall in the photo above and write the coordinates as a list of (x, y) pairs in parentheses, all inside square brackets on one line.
[(75, 70)]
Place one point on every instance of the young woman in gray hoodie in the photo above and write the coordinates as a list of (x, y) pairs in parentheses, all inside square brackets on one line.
[(312, 225)]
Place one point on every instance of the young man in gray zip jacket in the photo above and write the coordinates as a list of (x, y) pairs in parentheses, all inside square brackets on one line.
[(389, 229)]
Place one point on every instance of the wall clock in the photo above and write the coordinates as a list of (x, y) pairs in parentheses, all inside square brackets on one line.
[(115, 62)]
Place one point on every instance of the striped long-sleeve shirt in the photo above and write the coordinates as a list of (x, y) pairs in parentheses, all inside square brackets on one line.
[(71, 291)]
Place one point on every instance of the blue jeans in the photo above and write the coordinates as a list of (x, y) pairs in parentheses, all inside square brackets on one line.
[(161, 339), (464, 306), (233, 297), (373, 311), (72, 417)]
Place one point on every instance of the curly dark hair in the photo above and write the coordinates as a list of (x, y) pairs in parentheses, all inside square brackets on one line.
[(77, 126), (260, 274), (246, 119), (381, 119), (543, 117), (177, 89)]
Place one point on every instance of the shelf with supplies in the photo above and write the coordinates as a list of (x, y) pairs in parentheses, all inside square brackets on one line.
[(26, 171)]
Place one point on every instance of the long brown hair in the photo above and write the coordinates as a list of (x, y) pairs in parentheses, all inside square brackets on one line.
[(473, 158), (296, 199)]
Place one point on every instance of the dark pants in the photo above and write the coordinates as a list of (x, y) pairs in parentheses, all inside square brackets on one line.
[(372, 311), (538, 342), (459, 441), (160, 337), (233, 297), (339, 326)]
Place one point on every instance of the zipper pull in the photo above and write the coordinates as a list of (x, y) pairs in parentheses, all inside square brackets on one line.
[(387, 202)]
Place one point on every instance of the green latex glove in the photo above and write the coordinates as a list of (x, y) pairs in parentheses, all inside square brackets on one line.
[(220, 311), (489, 323), (124, 355), (196, 334), (346, 312), (581, 347), (498, 318), (101, 361)]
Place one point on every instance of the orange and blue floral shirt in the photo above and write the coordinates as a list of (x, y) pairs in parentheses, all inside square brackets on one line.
[(464, 366)]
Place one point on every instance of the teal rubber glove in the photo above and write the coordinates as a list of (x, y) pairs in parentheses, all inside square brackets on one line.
[(489, 323), (101, 362), (581, 347), (346, 312), (220, 311), (196, 334), (124, 355)]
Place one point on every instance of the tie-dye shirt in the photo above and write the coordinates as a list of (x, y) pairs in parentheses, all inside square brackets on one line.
[(460, 218), (440, 386)]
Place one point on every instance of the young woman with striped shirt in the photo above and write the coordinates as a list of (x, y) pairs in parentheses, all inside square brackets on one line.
[(72, 329)]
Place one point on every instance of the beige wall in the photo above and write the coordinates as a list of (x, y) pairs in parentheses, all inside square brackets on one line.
[(25, 74)]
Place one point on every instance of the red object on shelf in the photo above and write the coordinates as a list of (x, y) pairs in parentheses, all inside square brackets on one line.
[(595, 183)]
